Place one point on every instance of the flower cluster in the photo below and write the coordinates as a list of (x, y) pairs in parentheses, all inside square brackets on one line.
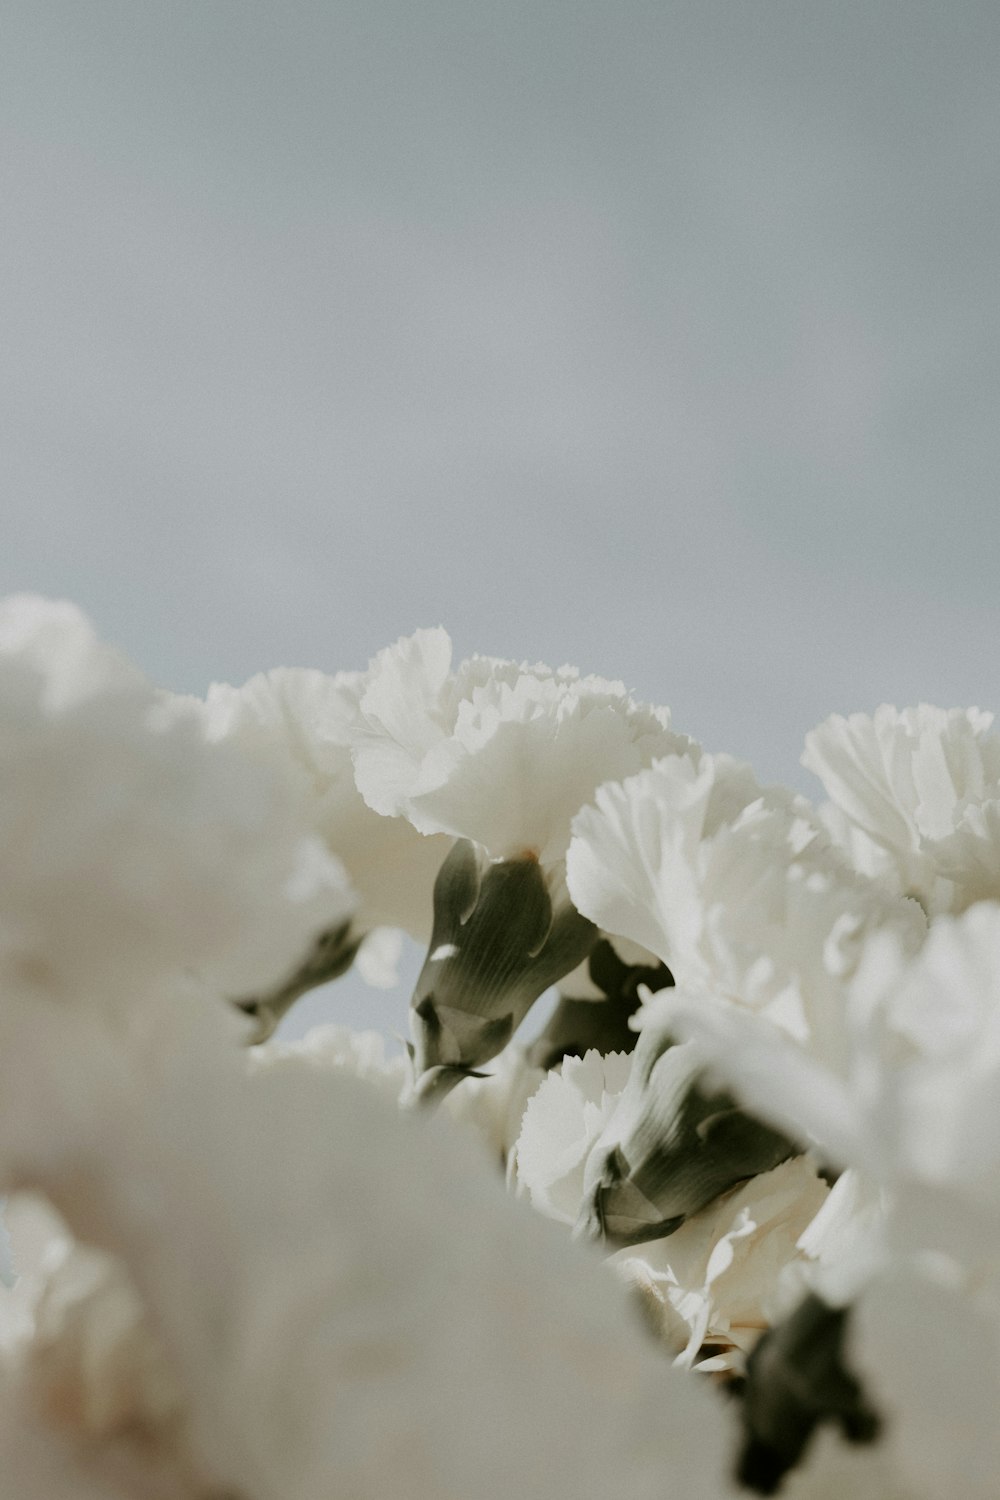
[(723, 1221)]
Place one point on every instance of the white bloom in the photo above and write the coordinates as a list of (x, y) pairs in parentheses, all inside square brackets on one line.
[(301, 723), (133, 850), (921, 787), (313, 1262), (83, 1366), (337, 1049), (907, 1086), (713, 1281), (735, 888), (562, 1122), (633, 864), (496, 752), (500, 756)]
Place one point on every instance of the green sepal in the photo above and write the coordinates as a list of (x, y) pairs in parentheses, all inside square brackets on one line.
[(497, 944), (671, 1149), (580, 1026)]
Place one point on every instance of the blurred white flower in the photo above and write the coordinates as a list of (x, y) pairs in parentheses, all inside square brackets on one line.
[(338, 1049), (84, 1368), (314, 1261), (906, 1085), (134, 850), (918, 793), (301, 723)]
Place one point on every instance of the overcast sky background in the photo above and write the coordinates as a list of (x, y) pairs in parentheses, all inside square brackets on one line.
[(658, 338)]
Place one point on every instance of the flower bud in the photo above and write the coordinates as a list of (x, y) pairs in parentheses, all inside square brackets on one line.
[(671, 1147), (497, 944)]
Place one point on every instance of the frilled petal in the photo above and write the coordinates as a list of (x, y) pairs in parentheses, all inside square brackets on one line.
[(496, 752), (717, 1274), (632, 866), (561, 1124), (911, 781)]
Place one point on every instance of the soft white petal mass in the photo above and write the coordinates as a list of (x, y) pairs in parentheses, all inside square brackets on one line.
[(133, 849), (330, 1295), (301, 722)]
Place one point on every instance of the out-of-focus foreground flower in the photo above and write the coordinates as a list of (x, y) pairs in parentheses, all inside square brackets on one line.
[(724, 1222)]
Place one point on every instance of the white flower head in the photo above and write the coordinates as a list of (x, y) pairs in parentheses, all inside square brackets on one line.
[(736, 888), (713, 1279), (500, 756), (563, 1120), (134, 850), (712, 1283), (905, 1084), (331, 1293), (301, 723), (635, 864), (495, 752), (919, 793)]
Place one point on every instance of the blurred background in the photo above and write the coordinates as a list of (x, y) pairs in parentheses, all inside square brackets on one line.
[(659, 338)]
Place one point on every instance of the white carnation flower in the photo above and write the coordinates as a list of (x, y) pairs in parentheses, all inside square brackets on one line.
[(496, 752), (134, 850), (734, 887), (919, 794), (499, 756), (562, 1122), (302, 723), (83, 1366), (906, 1084), (637, 862), (712, 1283), (349, 1263)]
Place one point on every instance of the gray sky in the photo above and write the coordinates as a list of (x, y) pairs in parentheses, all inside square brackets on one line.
[(658, 338)]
